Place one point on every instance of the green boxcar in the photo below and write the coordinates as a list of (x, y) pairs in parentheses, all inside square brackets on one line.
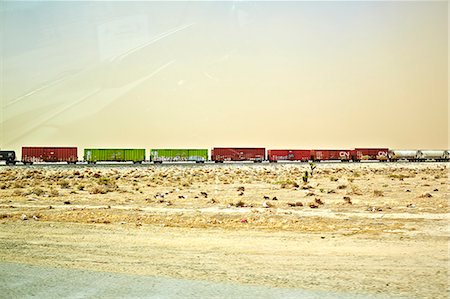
[(175, 155), (93, 155)]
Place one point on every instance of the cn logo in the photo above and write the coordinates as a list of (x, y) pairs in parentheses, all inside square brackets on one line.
[(383, 154), (344, 155)]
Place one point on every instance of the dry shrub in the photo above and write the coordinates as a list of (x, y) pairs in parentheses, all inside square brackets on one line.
[(398, 176), (426, 195), (106, 181), (37, 191), (18, 192), (99, 190), (53, 193), (355, 191), (18, 184), (347, 200), (105, 185), (378, 193), (188, 184), (287, 184), (318, 201), (64, 184), (240, 204), (340, 187)]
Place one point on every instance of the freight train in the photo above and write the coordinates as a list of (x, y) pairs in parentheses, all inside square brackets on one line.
[(69, 155)]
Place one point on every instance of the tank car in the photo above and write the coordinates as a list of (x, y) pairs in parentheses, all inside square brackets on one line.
[(405, 155), (436, 155)]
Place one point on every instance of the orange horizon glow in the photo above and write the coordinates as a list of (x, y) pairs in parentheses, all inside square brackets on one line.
[(289, 75)]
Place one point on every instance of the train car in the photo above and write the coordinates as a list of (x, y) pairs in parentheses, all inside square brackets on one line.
[(221, 154), (8, 156), (329, 155), (435, 155), (178, 155), (368, 154), (288, 155), (94, 155), (33, 154), (405, 155)]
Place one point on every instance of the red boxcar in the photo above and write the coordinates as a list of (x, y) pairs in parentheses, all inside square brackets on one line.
[(289, 155), (380, 154), (343, 155), (220, 154), (49, 154)]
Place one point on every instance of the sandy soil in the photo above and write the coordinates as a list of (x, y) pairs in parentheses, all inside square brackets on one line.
[(354, 228), (30, 281)]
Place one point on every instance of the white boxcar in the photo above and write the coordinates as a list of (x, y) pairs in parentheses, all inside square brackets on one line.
[(409, 155), (437, 155)]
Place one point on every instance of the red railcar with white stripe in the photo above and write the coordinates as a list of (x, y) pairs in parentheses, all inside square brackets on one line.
[(221, 154), (34, 154), (366, 154), (334, 154), (289, 155)]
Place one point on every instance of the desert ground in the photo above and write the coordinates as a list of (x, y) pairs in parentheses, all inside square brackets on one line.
[(361, 228)]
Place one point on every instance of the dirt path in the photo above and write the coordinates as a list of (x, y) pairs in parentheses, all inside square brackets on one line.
[(393, 266), (25, 281)]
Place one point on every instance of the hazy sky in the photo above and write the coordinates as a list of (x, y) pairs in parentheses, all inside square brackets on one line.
[(204, 74)]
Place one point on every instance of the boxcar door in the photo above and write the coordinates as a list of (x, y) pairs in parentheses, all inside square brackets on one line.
[(118, 155), (49, 155)]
